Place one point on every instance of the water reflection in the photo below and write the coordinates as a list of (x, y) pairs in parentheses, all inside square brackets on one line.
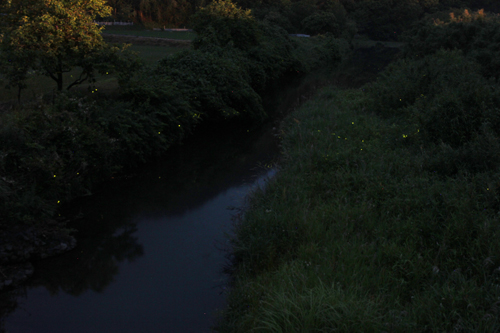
[(146, 258)]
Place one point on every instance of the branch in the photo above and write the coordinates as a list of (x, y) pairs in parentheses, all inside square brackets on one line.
[(50, 74), (80, 80)]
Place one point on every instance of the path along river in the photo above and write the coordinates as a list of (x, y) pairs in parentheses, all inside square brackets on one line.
[(148, 257)]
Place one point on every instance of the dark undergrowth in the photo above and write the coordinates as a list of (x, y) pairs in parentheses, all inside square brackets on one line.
[(384, 215)]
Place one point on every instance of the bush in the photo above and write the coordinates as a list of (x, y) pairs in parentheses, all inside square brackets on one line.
[(223, 23), (52, 153), (443, 94), (274, 17), (214, 82), (273, 57), (321, 23), (386, 19), (324, 51), (476, 34)]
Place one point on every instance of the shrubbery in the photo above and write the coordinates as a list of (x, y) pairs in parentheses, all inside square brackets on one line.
[(449, 98), (321, 23), (53, 152), (476, 34), (235, 58)]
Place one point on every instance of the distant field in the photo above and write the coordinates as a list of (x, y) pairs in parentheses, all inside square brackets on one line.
[(152, 54), (370, 43), (105, 83), (122, 30)]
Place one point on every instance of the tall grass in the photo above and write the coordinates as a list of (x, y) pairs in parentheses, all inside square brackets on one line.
[(355, 234)]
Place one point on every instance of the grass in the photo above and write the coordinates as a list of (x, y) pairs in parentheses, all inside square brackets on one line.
[(152, 54), (354, 235), (39, 85), (141, 32)]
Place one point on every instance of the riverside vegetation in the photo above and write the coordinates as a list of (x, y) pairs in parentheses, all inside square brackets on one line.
[(384, 215), (58, 148)]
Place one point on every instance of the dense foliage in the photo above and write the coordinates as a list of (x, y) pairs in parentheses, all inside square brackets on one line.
[(235, 58), (379, 19), (54, 37), (446, 89), (53, 152), (385, 213), (477, 34)]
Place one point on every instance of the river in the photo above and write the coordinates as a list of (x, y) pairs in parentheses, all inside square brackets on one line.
[(149, 255)]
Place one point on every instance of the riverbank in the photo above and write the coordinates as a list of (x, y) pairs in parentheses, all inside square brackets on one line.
[(44, 240), (20, 246), (358, 232)]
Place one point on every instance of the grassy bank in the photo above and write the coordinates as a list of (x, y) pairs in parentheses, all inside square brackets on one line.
[(358, 233)]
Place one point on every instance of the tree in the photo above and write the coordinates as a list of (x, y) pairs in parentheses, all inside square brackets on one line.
[(51, 37), (222, 23)]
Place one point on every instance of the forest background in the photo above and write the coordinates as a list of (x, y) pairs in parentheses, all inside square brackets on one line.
[(378, 19)]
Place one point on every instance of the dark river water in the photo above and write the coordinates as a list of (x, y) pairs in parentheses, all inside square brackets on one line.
[(149, 253)]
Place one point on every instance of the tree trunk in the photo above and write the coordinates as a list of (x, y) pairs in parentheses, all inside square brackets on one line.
[(59, 75)]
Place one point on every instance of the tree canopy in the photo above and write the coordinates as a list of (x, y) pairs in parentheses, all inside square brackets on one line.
[(51, 37)]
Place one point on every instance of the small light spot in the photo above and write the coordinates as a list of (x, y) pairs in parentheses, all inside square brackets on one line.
[(58, 201), (54, 176), (353, 122)]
